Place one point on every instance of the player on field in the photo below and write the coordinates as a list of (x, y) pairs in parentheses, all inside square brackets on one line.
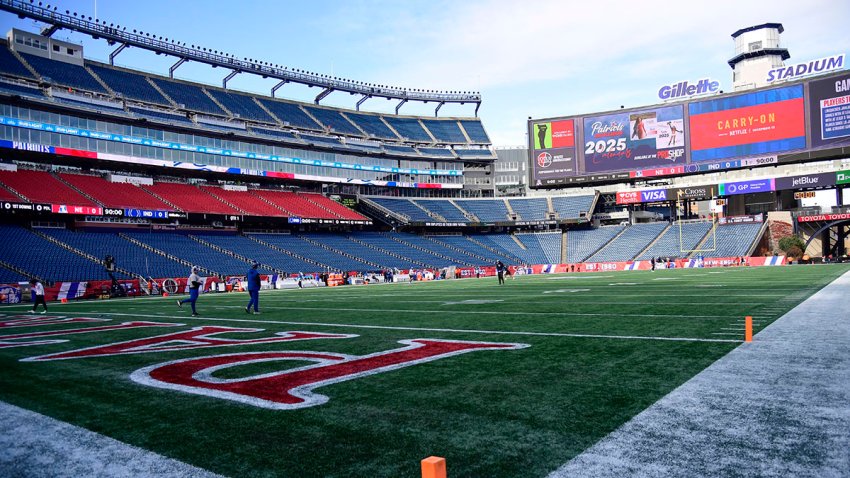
[(254, 289), (500, 271), (38, 295), (194, 282)]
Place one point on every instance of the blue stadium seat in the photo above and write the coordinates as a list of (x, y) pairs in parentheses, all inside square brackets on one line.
[(463, 242), (131, 85), (10, 65), (298, 245), (678, 240), (290, 114), (733, 240), (241, 105), (334, 120), (8, 276), (400, 149), (446, 131), (571, 207), (269, 259), (404, 207), (441, 152), (475, 130), (192, 251), (161, 116), (278, 134), (507, 243), (474, 153), (64, 74), (372, 125), (583, 243), (486, 210), (372, 254), (630, 243), (444, 208), (191, 96), (455, 257), (16, 89), (30, 252), (409, 128), (532, 209), (544, 248)]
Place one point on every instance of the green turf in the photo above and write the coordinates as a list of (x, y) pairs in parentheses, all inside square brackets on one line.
[(490, 413)]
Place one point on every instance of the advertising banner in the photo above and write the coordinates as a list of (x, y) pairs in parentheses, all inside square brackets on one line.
[(824, 217), (756, 123), (634, 140), (747, 187), (628, 197), (806, 181), (842, 177), (829, 103), (694, 192), (553, 152)]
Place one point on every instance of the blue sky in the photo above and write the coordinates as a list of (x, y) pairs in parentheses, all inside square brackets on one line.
[(538, 58)]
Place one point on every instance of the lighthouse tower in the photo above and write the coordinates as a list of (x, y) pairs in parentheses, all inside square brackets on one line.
[(757, 51)]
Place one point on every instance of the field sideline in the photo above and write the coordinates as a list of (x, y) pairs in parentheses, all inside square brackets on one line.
[(568, 359)]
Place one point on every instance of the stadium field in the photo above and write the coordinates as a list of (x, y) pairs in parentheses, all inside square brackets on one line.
[(502, 381)]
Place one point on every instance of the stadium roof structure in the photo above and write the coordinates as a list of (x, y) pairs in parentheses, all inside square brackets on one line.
[(116, 34)]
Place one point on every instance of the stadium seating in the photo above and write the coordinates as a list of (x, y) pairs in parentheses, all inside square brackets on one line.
[(445, 131), (404, 207), (269, 259), (543, 248), (295, 204), (486, 210), (241, 105), (64, 74), (334, 207), (475, 130), (507, 243), (323, 141), (570, 207), (733, 240), (372, 125), (630, 243), (409, 128), (11, 66), (190, 96), (6, 195), (400, 149), (366, 253), (161, 116), (193, 251), (8, 276), (532, 209), (43, 187), (325, 257), (277, 134), (118, 195), (455, 257), (440, 152), (670, 244), (582, 244), (130, 85), (16, 89), (127, 255), (463, 243), (474, 153), (333, 120), (444, 208), (290, 114), (189, 198), (247, 201), (385, 242), (30, 252)]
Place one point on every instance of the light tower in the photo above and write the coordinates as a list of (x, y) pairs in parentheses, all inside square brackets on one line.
[(757, 51)]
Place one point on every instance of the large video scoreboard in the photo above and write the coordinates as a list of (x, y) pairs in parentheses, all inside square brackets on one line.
[(754, 128)]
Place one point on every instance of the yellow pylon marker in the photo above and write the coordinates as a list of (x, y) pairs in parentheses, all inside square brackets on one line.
[(434, 467)]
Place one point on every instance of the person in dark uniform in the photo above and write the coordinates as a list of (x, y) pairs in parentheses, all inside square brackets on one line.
[(500, 271), (253, 289)]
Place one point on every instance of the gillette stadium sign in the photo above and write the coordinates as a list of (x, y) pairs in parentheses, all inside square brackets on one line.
[(792, 72), (684, 89)]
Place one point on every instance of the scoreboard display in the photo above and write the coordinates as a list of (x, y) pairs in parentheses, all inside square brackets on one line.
[(741, 130)]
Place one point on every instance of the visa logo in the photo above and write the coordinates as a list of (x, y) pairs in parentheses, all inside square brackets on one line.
[(656, 195)]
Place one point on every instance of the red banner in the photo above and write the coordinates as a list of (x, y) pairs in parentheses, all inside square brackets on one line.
[(563, 134), (748, 125), (824, 217)]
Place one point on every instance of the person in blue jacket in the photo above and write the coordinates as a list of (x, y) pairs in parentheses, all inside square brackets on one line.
[(253, 289)]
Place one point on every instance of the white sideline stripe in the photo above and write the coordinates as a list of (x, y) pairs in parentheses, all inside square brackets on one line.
[(776, 407), (32, 444), (485, 312), (428, 329)]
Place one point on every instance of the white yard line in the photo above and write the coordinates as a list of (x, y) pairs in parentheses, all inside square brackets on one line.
[(432, 329), (34, 445), (776, 407)]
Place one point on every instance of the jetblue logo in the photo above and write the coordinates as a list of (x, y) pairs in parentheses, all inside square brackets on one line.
[(684, 89), (835, 62)]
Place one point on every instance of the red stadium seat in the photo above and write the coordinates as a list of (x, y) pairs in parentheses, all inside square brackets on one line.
[(190, 198), (118, 195), (43, 187)]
